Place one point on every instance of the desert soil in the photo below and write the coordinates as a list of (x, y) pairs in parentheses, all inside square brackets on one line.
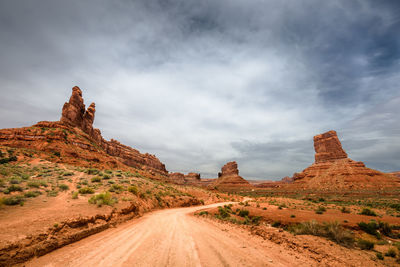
[(174, 237)]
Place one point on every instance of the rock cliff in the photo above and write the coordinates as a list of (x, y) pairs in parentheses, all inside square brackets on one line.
[(229, 177), (73, 133), (333, 170)]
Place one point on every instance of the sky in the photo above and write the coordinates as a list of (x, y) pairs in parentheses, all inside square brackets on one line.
[(201, 83)]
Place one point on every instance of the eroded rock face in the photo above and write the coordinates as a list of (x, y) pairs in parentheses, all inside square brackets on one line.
[(192, 178), (333, 170), (229, 177), (75, 116), (72, 112), (328, 147), (176, 177)]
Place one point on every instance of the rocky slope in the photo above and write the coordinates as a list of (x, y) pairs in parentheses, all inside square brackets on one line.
[(229, 178), (74, 137), (333, 170)]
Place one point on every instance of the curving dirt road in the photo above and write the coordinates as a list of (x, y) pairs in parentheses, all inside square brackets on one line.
[(171, 237)]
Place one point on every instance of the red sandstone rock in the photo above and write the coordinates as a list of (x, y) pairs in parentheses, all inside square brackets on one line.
[(176, 177), (75, 118), (396, 174), (229, 177), (328, 147), (192, 177), (72, 112), (332, 169)]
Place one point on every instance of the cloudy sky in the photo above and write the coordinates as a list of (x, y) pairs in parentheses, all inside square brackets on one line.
[(200, 83)]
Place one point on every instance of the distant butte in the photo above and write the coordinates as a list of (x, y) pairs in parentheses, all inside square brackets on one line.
[(333, 170), (229, 177)]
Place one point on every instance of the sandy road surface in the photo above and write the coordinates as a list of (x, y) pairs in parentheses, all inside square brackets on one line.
[(171, 237)]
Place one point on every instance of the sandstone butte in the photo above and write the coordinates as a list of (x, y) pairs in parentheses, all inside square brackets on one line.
[(229, 178), (333, 170), (188, 179), (74, 140)]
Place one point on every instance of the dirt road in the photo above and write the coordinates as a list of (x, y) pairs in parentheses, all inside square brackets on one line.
[(171, 237)]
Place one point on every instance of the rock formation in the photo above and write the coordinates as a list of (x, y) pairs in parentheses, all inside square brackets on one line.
[(328, 147), (176, 178), (188, 179), (54, 136), (333, 170), (192, 178), (396, 174), (229, 177)]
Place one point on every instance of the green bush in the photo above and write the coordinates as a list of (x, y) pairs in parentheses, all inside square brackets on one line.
[(223, 213), (376, 228), (75, 195), (320, 210), (379, 256), (276, 224), (93, 171), (365, 244), (96, 179), (243, 213), (14, 188), (367, 212), (86, 190), (106, 177), (204, 212), (102, 199), (333, 231), (32, 193), (14, 200), (35, 184), (133, 189), (345, 210), (391, 253), (63, 187)]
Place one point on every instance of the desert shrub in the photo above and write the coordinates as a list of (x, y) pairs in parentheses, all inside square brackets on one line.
[(276, 224), (75, 195), (345, 210), (15, 181), (35, 184), (57, 154), (106, 177), (86, 190), (365, 244), (93, 171), (395, 206), (52, 193), (24, 176), (63, 187), (32, 193), (7, 160), (333, 231), (223, 213), (243, 213), (292, 216), (108, 171), (368, 212), (96, 179), (117, 187), (265, 208), (102, 199), (14, 200), (379, 256), (133, 189), (320, 210), (204, 212), (376, 228), (391, 253), (68, 174), (14, 188)]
